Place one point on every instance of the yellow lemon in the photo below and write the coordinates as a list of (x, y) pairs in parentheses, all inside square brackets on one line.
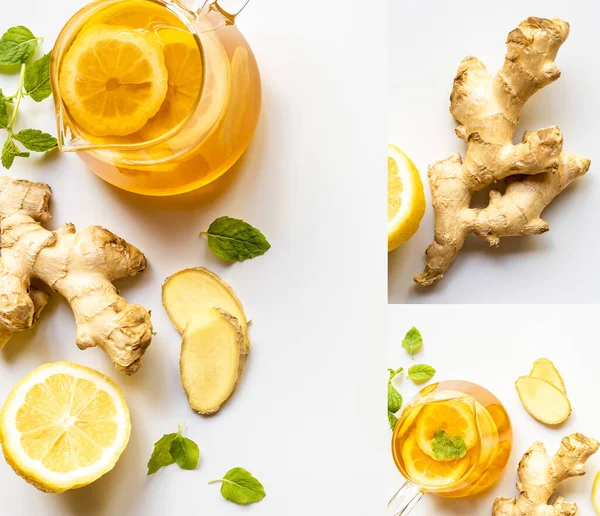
[(184, 67), (596, 494), (455, 417), (430, 473), (113, 79), (64, 426), (406, 199)]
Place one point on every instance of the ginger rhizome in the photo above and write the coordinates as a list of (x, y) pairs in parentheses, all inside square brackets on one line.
[(79, 265), (487, 109), (540, 475)]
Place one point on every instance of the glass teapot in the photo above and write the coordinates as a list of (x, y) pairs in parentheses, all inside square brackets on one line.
[(208, 115)]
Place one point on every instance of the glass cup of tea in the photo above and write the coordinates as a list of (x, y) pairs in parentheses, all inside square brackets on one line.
[(157, 97), (452, 440)]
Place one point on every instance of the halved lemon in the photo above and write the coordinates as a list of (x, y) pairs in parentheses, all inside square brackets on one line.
[(455, 417), (64, 426), (596, 494), (184, 67), (430, 473), (113, 79), (406, 199)]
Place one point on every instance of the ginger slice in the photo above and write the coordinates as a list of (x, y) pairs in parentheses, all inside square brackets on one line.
[(544, 368), (213, 355), (543, 400), (190, 292)]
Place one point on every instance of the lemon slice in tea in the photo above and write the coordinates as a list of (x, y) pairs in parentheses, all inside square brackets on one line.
[(64, 426), (184, 67), (430, 473), (455, 417), (113, 79)]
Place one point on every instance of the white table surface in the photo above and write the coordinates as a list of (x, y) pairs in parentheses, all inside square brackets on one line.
[(427, 42), (305, 419), (493, 347)]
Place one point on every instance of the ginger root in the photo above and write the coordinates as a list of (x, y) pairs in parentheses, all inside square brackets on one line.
[(540, 475), (80, 266), (543, 400), (213, 355), (536, 170)]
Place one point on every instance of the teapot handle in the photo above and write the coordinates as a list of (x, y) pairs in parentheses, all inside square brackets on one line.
[(227, 9)]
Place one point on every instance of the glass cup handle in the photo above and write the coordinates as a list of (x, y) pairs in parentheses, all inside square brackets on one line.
[(404, 501)]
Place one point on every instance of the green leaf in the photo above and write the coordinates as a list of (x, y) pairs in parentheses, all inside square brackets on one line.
[(174, 448), (18, 44), (239, 486), (413, 341), (36, 140), (234, 239), (3, 111), (9, 152), (420, 373), (395, 372), (161, 456), (394, 399), (185, 452), (37, 79), (445, 448), (392, 419)]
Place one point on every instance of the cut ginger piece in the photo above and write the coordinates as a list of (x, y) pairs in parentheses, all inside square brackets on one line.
[(543, 400), (544, 369), (213, 355), (190, 292)]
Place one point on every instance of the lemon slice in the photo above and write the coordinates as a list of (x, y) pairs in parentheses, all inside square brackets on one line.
[(113, 79), (430, 473), (184, 66), (456, 417), (406, 199), (596, 494), (64, 426)]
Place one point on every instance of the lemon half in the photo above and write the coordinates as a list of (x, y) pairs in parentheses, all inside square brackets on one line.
[(406, 199), (64, 426)]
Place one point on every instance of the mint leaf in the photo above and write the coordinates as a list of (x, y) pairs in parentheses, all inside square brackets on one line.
[(413, 341), (36, 140), (161, 456), (394, 399), (3, 111), (239, 486), (392, 419), (185, 452), (17, 45), (174, 448), (9, 152), (420, 373), (37, 79), (234, 239), (445, 448)]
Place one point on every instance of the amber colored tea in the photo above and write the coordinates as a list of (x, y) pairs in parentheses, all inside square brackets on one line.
[(471, 421), (159, 100)]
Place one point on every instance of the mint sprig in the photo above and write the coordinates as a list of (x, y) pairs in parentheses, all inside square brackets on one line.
[(394, 398), (239, 486), (446, 448), (174, 448), (17, 46)]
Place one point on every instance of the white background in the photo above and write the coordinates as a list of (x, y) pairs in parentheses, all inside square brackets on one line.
[(305, 420), (493, 347), (427, 42)]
